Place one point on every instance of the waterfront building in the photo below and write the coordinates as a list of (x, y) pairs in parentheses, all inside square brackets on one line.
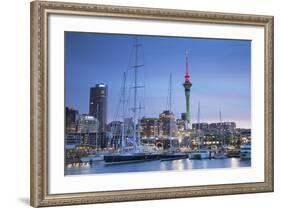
[(166, 124), (149, 127), (187, 85), (71, 118), (200, 126), (98, 105), (87, 124), (88, 129), (73, 138), (245, 136), (212, 139), (223, 126), (180, 126)]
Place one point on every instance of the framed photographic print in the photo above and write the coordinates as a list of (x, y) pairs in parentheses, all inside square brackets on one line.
[(142, 103)]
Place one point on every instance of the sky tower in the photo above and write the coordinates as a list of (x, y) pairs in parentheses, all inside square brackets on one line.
[(187, 85)]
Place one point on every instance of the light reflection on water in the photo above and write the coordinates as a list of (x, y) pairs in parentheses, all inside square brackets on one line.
[(177, 165)]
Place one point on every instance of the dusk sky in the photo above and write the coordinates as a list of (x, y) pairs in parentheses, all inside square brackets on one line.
[(220, 72)]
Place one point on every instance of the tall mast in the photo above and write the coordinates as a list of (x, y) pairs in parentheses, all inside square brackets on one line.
[(136, 66), (170, 110), (123, 110), (97, 114), (198, 124), (198, 113), (220, 129), (138, 129)]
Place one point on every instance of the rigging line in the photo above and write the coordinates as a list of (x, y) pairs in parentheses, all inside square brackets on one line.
[(128, 76), (144, 78), (116, 115), (117, 112), (127, 94)]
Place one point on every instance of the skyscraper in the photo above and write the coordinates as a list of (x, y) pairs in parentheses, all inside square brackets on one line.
[(71, 118), (187, 85), (98, 105)]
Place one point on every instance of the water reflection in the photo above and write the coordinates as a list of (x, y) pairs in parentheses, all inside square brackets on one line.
[(178, 165), (234, 163)]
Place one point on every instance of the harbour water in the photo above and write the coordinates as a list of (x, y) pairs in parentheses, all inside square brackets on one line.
[(157, 165)]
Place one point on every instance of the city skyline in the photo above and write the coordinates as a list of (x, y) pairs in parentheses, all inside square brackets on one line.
[(219, 71)]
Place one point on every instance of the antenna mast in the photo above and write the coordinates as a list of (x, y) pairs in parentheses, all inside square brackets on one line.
[(186, 67), (198, 113), (198, 128), (123, 111), (136, 66), (170, 110)]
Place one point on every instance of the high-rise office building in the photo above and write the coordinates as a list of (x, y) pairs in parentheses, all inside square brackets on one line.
[(98, 105)]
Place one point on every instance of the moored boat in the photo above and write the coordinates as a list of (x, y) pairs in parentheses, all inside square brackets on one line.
[(130, 158), (199, 154), (173, 156), (219, 154), (245, 152)]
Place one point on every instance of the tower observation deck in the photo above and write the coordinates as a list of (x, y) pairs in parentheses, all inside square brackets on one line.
[(187, 85)]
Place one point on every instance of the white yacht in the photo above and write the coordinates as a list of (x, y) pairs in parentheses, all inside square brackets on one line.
[(199, 154)]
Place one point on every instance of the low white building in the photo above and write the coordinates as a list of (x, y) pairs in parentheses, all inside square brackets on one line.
[(87, 124)]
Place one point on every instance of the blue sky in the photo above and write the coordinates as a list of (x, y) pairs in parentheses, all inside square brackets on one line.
[(220, 73)]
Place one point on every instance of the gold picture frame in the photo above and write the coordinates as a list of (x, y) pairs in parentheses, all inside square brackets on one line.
[(39, 103)]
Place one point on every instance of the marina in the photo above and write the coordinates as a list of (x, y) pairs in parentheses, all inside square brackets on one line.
[(155, 165), (133, 142)]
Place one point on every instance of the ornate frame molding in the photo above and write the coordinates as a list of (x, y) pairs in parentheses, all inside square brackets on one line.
[(39, 103)]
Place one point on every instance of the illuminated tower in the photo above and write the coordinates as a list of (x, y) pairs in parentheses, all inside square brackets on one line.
[(187, 85)]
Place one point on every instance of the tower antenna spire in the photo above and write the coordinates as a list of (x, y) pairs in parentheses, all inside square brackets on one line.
[(186, 67)]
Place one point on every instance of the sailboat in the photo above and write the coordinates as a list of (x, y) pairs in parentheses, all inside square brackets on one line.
[(171, 154), (138, 152), (200, 153), (220, 153)]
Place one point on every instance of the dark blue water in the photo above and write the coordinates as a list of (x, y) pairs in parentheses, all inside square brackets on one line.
[(178, 165)]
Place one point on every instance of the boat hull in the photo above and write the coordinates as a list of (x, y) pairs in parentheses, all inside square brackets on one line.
[(198, 155), (245, 155), (118, 159), (173, 156), (131, 158)]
